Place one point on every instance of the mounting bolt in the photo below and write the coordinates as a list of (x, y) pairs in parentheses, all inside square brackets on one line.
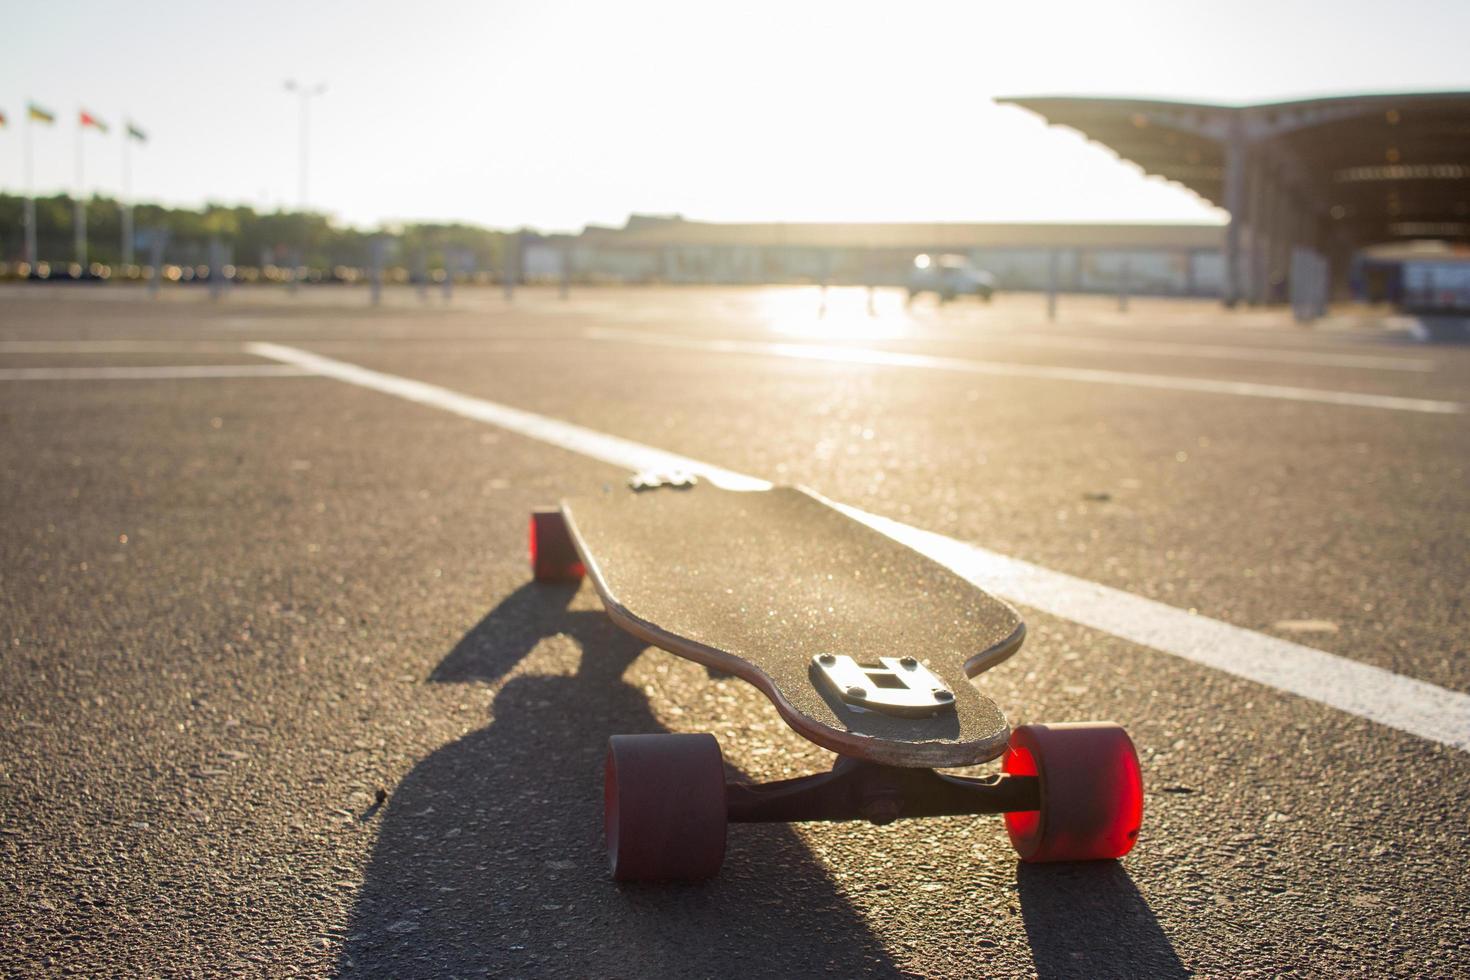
[(908, 663), (856, 692), (826, 659)]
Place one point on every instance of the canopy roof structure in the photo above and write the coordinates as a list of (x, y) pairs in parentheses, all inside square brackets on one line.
[(1332, 174)]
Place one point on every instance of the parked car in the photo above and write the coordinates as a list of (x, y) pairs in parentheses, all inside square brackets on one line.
[(948, 276)]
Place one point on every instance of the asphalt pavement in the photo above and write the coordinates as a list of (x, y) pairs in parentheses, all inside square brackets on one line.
[(278, 697)]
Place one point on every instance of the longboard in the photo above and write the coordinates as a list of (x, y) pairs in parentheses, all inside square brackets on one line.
[(761, 584), (864, 646)]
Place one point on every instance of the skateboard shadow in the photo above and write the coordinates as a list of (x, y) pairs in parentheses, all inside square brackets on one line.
[(490, 858), (1089, 920)]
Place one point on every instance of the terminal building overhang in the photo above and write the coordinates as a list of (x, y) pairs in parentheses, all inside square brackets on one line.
[(1331, 174)]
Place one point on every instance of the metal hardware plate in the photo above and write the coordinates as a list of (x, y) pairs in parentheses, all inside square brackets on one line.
[(654, 479), (894, 685)]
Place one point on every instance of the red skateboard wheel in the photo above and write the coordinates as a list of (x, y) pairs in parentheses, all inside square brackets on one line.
[(553, 556), (664, 807), (1091, 792)]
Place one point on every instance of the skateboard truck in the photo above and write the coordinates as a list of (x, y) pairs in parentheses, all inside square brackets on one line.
[(856, 790), (1067, 793), (893, 685)]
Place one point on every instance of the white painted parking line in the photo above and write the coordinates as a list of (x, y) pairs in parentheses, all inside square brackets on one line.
[(1223, 352), (152, 373), (1379, 695), (884, 358), (597, 445), (1360, 689)]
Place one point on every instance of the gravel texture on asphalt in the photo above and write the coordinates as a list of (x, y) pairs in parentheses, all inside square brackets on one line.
[(278, 696)]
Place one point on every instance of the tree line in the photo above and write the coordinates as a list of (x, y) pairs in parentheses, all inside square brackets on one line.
[(251, 238)]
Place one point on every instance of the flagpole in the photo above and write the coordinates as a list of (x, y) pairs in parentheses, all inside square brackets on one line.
[(304, 95), (30, 194), (126, 204), (79, 209), (305, 141)]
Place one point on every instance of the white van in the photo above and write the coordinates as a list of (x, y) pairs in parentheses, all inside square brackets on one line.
[(948, 276)]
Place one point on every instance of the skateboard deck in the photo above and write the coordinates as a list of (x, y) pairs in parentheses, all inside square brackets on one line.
[(774, 586)]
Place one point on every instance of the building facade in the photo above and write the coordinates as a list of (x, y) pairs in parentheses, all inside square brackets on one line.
[(1171, 260)]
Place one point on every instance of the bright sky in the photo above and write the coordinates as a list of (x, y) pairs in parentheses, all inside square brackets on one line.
[(553, 114)]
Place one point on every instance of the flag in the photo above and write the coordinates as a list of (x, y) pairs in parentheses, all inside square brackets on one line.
[(37, 114), (87, 119), (135, 133)]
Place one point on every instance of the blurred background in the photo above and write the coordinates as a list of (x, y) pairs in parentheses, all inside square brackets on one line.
[(1119, 309), (660, 142)]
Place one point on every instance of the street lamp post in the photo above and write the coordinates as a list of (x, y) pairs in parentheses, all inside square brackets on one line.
[(304, 95)]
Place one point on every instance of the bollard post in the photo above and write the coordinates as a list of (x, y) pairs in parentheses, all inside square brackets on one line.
[(155, 258), (508, 253), (216, 269), (297, 255), (870, 274), (1052, 277), (375, 271)]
